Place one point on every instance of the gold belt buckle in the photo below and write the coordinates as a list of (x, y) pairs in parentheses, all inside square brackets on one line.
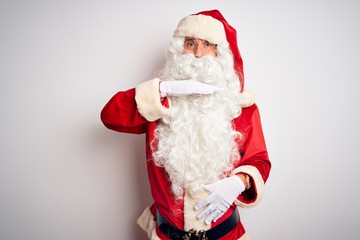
[(194, 234)]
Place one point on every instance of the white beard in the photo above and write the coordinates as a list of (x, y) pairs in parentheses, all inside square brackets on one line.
[(196, 142)]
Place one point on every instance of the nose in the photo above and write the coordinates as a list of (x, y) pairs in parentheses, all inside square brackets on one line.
[(199, 51)]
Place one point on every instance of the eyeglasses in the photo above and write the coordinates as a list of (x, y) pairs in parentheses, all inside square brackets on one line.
[(191, 44)]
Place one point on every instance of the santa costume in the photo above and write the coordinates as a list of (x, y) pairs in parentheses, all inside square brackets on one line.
[(195, 140)]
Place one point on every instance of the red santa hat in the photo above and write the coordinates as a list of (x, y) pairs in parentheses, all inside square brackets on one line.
[(212, 26)]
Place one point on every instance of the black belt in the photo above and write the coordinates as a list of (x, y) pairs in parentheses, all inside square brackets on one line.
[(212, 234)]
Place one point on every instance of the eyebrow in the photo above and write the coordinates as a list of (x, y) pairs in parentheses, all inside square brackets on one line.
[(189, 39), (194, 39)]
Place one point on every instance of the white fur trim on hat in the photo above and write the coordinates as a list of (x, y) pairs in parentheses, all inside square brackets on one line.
[(203, 27), (148, 102), (254, 173)]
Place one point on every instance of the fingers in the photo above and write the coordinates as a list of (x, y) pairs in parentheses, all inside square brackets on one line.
[(203, 88), (206, 201), (218, 215), (185, 88), (212, 209), (207, 211), (212, 213), (202, 203), (214, 216)]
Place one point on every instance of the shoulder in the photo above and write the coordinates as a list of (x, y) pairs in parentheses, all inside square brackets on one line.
[(247, 113)]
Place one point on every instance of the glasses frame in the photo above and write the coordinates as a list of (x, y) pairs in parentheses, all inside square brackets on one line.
[(192, 44)]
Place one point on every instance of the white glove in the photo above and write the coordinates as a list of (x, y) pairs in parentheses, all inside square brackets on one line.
[(185, 87), (223, 193)]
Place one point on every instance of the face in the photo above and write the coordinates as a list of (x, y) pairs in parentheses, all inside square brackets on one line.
[(199, 47)]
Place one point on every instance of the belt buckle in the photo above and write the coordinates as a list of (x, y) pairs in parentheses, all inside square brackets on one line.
[(193, 234)]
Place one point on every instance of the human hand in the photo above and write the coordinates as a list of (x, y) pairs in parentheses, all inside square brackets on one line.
[(185, 88), (222, 195)]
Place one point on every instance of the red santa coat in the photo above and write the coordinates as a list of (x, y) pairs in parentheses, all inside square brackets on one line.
[(137, 111)]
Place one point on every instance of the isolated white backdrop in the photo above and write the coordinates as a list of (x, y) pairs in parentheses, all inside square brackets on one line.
[(63, 176)]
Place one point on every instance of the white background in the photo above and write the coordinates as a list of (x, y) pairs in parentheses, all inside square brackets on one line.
[(64, 176)]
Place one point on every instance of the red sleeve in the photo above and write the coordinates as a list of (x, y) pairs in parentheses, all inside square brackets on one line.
[(252, 147), (121, 114), (254, 156)]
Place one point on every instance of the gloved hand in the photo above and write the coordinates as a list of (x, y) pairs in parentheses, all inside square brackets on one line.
[(185, 87), (222, 195)]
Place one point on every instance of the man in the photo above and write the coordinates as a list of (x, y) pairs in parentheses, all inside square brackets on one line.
[(205, 148)]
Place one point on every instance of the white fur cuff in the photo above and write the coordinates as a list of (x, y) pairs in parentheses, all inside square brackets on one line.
[(245, 236), (248, 98), (147, 223), (148, 102), (257, 180)]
